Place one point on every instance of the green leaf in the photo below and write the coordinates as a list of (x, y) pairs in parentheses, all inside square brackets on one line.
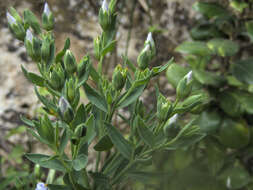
[(208, 78), (187, 136), (31, 20), (133, 93), (109, 48), (80, 162), (208, 121), (232, 109), (196, 48), (146, 134), (104, 144), (121, 144), (223, 47), (64, 140), (95, 98), (60, 55), (210, 10), (215, 157), (102, 182), (175, 73), (205, 31), (49, 104), (27, 121), (33, 78), (46, 161), (239, 177), (80, 116), (243, 70), (159, 69)]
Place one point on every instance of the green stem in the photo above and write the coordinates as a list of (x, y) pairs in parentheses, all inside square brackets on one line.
[(98, 160), (100, 64)]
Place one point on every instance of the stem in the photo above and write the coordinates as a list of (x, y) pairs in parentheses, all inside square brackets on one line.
[(100, 64), (98, 160)]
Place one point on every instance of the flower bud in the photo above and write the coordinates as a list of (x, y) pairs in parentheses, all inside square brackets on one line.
[(70, 89), (57, 77), (104, 19), (47, 18), (119, 77), (171, 128), (41, 186), (184, 86), (46, 129), (164, 108), (47, 48), (16, 26), (32, 45), (82, 66), (147, 53), (70, 62), (65, 110), (105, 7)]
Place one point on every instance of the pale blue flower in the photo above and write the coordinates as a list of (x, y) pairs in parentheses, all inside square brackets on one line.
[(46, 10), (29, 35), (41, 186), (105, 6), (10, 18)]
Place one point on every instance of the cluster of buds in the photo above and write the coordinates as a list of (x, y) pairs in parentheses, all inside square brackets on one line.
[(164, 108), (57, 77), (184, 86), (147, 53)]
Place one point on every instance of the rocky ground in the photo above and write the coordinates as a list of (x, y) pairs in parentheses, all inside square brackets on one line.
[(78, 20)]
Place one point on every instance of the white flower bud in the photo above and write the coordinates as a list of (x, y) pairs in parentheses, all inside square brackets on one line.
[(147, 48), (11, 20), (173, 119), (29, 35), (46, 10), (105, 7), (228, 183), (63, 104), (149, 38), (188, 77)]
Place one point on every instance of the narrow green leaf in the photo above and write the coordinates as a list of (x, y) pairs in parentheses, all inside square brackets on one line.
[(121, 144), (104, 144), (45, 161), (109, 47), (145, 133), (95, 98), (33, 78)]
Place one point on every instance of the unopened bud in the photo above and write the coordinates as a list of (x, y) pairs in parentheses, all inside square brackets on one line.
[(119, 77), (164, 108), (47, 49), (15, 24), (184, 86), (80, 131), (33, 46), (171, 128), (65, 110), (82, 66), (57, 77), (105, 6), (70, 62), (47, 18)]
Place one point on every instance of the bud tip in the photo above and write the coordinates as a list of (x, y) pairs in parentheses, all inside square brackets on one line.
[(105, 6), (173, 119), (46, 9), (11, 20), (41, 186), (29, 35), (189, 76)]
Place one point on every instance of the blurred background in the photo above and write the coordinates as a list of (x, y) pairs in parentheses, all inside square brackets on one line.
[(169, 20)]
